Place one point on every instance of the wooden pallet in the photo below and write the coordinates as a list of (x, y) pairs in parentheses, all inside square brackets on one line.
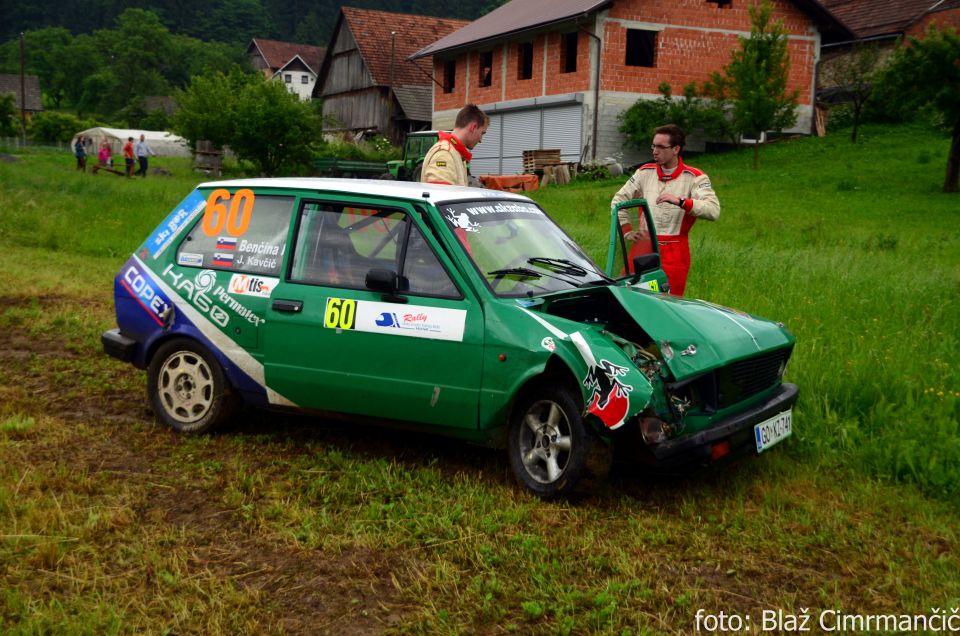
[(535, 160)]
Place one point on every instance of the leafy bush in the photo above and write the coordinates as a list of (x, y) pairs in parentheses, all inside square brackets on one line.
[(52, 126), (692, 112), (593, 172), (377, 149), (8, 116)]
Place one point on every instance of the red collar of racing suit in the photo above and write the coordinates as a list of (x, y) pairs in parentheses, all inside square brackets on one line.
[(664, 176), (456, 143)]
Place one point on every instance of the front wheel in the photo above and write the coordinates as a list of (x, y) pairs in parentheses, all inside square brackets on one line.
[(550, 446), (187, 388)]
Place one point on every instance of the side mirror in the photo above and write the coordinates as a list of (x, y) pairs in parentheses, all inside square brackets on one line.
[(645, 263), (386, 282)]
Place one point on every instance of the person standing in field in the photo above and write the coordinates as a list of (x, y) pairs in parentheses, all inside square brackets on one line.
[(128, 155), (142, 150), (446, 161), (80, 151), (678, 195), (103, 156)]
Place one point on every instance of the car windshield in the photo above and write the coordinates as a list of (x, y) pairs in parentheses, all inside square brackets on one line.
[(518, 249)]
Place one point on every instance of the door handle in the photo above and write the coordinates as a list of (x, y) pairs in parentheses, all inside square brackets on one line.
[(291, 306)]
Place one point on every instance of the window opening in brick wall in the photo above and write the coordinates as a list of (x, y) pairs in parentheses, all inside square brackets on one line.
[(721, 3), (641, 48), (568, 52), (486, 68), (525, 60), (449, 76)]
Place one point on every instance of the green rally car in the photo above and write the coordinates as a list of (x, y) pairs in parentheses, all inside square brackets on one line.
[(462, 311)]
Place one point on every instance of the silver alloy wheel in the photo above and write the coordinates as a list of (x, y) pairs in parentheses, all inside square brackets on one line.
[(545, 441), (185, 386)]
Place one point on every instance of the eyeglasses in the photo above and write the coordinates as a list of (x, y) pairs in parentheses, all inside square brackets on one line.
[(659, 147)]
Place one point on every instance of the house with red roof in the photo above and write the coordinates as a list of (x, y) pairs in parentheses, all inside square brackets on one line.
[(883, 23), (296, 65), (557, 74), (366, 81)]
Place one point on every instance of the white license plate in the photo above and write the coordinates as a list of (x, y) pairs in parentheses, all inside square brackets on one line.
[(776, 429)]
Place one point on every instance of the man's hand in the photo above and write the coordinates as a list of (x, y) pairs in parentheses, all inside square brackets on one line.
[(669, 198), (634, 235)]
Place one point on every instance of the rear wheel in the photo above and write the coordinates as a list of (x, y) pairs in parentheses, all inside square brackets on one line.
[(187, 388), (417, 172), (551, 448)]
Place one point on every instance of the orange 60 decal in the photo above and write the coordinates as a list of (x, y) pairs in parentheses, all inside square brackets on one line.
[(235, 219)]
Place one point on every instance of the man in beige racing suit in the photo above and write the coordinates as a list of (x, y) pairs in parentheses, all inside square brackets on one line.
[(446, 161), (678, 195)]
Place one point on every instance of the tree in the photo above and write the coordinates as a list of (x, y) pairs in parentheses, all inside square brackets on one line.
[(755, 80), (853, 74), (273, 128), (926, 73), (260, 120), (9, 117)]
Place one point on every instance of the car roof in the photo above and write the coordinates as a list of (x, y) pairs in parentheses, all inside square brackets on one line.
[(435, 193)]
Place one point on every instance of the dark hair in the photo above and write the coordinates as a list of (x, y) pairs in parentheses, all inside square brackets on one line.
[(469, 114), (677, 136)]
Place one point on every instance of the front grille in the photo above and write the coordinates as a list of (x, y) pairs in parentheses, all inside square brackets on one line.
[(745, 378)]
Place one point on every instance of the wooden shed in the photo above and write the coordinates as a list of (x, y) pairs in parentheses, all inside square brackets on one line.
[(366, 82)]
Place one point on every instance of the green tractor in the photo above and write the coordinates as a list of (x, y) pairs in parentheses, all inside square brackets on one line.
[(414, 150)]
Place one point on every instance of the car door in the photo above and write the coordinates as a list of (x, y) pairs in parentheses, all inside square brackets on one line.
[(333, 344), (623, 252)]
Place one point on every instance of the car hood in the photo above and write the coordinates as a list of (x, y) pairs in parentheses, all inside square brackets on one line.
[(695, 336), (701, 335)]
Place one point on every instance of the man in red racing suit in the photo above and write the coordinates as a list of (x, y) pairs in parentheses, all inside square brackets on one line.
[(678, 195)]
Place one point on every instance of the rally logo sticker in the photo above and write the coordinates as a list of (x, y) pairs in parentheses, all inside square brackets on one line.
[(548, 344), (611, 398), (414, 321), (139, 285), (247, 285), (462, 221)]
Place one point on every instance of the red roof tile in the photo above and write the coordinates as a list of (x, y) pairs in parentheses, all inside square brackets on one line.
[(371, 29), (872, 18), (277, 54)]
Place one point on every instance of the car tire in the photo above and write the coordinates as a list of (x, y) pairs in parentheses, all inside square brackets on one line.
[(188, 389), (551, 448)]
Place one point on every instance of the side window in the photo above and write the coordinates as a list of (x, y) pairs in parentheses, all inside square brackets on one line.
[(337, 245), (239, 232)]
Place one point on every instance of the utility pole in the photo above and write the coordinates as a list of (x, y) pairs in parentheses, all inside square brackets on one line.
[(393, 49), (23, 97)]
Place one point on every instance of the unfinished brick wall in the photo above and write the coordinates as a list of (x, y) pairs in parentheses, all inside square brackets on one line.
[(695, 38), (524, 88), (949, 17)]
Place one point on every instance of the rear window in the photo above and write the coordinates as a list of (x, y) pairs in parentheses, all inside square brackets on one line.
[(239, 232)]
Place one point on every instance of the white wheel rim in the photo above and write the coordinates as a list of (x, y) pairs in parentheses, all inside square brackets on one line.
[(545, 442), (185, 387)]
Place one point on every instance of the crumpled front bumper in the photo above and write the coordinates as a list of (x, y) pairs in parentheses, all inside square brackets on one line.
[(736, 429)]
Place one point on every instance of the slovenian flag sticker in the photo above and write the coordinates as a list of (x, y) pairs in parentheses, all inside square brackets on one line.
[(223, 260), (226, 243)]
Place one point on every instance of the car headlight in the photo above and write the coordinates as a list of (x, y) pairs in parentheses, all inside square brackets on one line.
[(654, 430)]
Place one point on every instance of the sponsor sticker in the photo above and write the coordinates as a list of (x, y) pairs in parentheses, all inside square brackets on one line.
[(138, 284), (190, 260), (176, 221), (388, 318), (248, 285), (442, 164), (462, 222), (548, 344), (611, 398)]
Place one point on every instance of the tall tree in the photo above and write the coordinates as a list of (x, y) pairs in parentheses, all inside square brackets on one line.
[(853, 74), (756, 79), (926, 72)]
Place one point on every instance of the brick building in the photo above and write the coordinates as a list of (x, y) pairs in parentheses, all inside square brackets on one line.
[(557, 73)]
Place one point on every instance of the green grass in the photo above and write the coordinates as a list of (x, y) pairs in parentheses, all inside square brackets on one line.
[(110, 524)]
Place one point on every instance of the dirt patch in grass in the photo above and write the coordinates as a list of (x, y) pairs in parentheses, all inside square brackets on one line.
[(109, 437)]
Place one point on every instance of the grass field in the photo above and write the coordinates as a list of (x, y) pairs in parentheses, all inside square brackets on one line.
[(111, 524)]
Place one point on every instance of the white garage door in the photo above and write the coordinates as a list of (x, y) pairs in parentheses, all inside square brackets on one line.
[(512, 132)]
